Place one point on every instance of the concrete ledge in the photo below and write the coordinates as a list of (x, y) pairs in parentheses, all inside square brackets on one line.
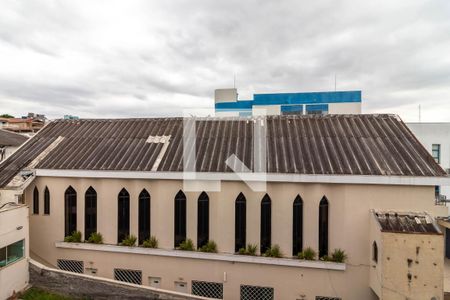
[(286, 262)]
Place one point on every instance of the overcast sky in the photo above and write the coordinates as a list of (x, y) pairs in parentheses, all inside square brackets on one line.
[(156, 58)]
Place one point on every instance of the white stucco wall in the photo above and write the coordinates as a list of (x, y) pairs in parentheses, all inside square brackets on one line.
[(13, 228), (435, 133)]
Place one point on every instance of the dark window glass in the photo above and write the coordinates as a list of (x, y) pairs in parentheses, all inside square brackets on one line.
[(46, 201), (202, 220), (15, 252), (123, 215), (35, 201), (436, 152), (297, 226), (323, 227), (144, 216), (240, 224), (180, 218), (70, 211), (266, 223), (90, 213), (375, 252)]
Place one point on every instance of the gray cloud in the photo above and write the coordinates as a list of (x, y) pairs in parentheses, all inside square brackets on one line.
[(141, 58)]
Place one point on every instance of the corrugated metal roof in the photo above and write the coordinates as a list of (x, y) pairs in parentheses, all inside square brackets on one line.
[(331, 144), (401, 222), (8, 138)]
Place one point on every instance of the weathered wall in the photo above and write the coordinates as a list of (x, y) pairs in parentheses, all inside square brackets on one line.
[(413, 266), (349, 207), (89, 287)]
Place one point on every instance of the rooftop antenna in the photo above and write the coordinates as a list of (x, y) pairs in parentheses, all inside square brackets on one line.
[(234, 81), (335, 82), (420, 114)]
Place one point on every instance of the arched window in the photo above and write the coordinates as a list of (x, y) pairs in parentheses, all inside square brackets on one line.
[(323, 227), (144, 216), (374, 252), (46, 201), (180, 218), (70, 211), (35, 201), (123, 215), (266, 223), (90, 212), (297, 226), (202, 219), (240, 222)]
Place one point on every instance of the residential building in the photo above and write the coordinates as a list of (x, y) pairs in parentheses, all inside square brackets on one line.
[(27, 124), (326, 179), (9, 142), (435, 137), (341, 102)]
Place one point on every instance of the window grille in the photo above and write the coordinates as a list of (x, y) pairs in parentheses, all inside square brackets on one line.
[(130, 276), (250, 292), (207, 289), (74, 266), (327, 298)]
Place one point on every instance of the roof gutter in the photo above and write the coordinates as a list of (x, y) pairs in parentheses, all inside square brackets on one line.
[(254, 177)]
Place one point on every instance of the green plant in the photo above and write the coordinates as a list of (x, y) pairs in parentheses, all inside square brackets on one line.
[(338, 256), (187, 245), (38, 294), (211, 247), (250, 250), (152, 242), (307, 254), (95, 238), (273, 251), (129, 240), (326, 258), (75, 237)]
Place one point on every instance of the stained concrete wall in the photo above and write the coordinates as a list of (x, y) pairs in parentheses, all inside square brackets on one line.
[(89, 287)]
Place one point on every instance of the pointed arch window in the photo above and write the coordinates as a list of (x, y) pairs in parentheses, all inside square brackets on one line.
[(374, 252), (90, 212), (180, 218), (297, 226), (144, 216), (240, 222), (46, 201), (266, 223), (70, 211), (323, 227), (123, 216), (35, 201), (202, 219)]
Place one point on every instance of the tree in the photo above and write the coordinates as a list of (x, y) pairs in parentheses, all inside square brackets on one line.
[(8, 116)]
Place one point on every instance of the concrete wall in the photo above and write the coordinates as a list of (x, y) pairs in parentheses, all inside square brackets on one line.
[(376, 267), (344, 108), (349, 228), (413, 266), (13, 228), (435, 133), (89, 287)]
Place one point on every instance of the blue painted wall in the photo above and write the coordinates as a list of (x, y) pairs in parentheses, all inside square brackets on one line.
[(291, 98)]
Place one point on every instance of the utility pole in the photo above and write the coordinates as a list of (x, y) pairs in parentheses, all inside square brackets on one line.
[(420, 114)]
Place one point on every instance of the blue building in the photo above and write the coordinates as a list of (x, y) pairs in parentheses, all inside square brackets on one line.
[(341, 102)]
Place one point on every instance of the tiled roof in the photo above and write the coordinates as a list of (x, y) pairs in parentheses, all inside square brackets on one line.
[(401, 222), (8, 138), (331, 144)]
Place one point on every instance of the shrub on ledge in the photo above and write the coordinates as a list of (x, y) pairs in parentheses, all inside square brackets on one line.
[(152, 242), (95, 238), (187, 245), (210, 247), (129, 241), (75, 237), (273, 251), (339, 256), (307, 254), (250, 250)]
